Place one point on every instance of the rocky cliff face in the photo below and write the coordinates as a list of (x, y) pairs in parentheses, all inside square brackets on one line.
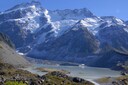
[(5, 39), (70, 46)]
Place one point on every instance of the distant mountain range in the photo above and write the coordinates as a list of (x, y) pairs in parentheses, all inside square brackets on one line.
[(66, 35)]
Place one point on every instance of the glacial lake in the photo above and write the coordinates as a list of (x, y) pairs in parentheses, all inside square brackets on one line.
[(88, 73)]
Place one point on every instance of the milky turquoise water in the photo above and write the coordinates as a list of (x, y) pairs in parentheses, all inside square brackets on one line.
[(76, 71)]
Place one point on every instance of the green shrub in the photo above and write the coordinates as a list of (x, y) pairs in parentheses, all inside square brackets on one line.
[(14, 83), (1, 46)]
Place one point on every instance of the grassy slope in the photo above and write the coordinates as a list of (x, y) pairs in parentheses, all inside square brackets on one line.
[(59, 78)]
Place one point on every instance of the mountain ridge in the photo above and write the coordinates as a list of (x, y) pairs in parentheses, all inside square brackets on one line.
[(47, 34)]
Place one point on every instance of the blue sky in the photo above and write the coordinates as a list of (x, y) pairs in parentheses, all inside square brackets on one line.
[(118, 8)]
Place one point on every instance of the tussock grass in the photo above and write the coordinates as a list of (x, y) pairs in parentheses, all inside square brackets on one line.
[(14, 83), (104, 80), (1, 46)]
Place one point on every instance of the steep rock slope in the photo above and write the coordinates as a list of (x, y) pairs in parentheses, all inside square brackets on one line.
[(74, 44), (8, 54)]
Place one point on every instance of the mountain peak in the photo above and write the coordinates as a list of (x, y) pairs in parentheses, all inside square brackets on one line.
[(35, 2), (24, 5), (70, 14), (113, 20)]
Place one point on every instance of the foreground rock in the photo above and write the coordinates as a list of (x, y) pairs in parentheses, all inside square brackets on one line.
[(12, 76), (123, 80), (59, 78)]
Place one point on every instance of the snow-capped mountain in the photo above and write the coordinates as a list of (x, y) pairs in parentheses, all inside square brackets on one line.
[(67, 35), (68, 14), (23, 21)]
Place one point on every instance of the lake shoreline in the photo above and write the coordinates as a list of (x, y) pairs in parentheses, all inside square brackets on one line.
[(87, 73), (76, 70)]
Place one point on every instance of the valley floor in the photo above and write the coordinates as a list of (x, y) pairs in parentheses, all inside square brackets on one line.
[(57, 74), (10, 75), (87, 73)]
